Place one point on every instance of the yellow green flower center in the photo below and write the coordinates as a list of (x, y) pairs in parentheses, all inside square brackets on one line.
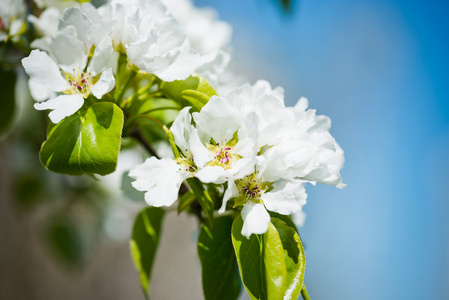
[(187, 163), (223, 155), (250, 188), (80, 83)]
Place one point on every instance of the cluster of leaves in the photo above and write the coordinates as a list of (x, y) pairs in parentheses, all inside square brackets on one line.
[(271, 265)]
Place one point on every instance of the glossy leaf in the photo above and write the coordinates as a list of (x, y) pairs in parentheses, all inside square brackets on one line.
[(295, 261), (261, 262), (8, 80), (286, 219), (194, 91), (144, 242), (220, 274), (85, 143)]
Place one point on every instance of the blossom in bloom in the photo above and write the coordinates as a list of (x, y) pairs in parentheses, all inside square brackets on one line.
[(12, 19), (154, 41), (70, 75), (162, 178), (263, 151)]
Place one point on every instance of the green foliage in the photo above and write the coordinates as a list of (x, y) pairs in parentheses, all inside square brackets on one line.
[(8, 80), (286, 219), (194, 91), (144, 242), (85, 143), (263, 272), (203, 197), (65, 240), (295, 260), (271, 265), (185, 201), (220, 273)]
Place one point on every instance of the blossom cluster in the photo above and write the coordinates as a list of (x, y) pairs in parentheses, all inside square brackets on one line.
[(248, 143), (80, 58)]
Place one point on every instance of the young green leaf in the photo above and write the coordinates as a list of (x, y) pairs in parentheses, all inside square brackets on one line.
[(193, 91), (143, 245), (294, 258), (261, 262), (7, 103), (88, 143), (220, 274)]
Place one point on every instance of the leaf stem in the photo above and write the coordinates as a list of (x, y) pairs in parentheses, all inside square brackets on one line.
[(128, 81), (137, 134), (304, 293)]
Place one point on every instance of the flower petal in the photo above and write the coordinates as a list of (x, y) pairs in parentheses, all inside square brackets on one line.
[(160, 178), (180, 130), (286, 197), (39, 92), (182, 67), (212, 174), (218, 119), (104, 85), (43, 70), (255, 219), (68, 50), (230, 192), (62, 106), (101, 57)]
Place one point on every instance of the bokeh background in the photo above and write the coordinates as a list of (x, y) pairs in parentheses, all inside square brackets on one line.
[(379, 69)]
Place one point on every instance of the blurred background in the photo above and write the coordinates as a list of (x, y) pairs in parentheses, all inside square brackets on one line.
[(378, 68)]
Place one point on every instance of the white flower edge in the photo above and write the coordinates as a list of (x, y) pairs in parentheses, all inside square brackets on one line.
[(160, 179)]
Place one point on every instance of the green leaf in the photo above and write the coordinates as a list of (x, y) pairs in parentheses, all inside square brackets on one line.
[(220, 274), (8, 80), (129, 191), (143, 245), (85, 143), (205, 200), (185, 201), (294, 258), (66, 241), (193, 91), (261, 262), (286, 219)]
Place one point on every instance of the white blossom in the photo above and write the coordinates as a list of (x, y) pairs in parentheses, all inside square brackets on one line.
[(12, 19), (70, 74)]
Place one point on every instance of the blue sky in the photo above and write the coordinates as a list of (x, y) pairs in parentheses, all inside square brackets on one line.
[(379, 69)]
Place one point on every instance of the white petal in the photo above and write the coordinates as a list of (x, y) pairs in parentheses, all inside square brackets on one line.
[(40, 92), (212, 174), (76, 18), (68, 50), (183, 66), (104, 85), (160, 178), (62, 106), (180, 129), (201, 155), (255, 219), (101, 56), (230, 192), (43, 70), (218, 119), (286, 197)]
